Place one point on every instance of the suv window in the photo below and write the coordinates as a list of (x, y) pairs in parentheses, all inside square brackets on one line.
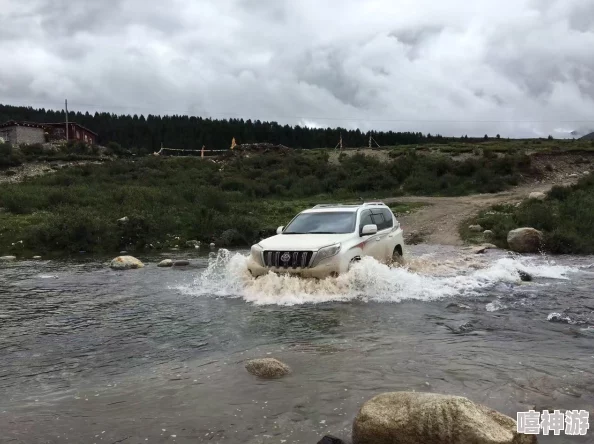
[(365, 220), (388, 218), (378, 219)]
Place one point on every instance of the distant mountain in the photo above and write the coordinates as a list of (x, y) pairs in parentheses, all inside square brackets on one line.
[(588, 137)]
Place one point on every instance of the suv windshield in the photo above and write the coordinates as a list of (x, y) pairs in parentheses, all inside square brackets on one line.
[(323, 223)]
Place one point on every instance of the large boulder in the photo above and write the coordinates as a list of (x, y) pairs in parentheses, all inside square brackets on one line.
[(524, 240), (414, 418), (268, 368), (125, 263), (537, 195)]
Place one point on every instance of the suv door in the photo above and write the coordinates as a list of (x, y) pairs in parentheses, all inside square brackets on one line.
[(371, 244), (386, 246)]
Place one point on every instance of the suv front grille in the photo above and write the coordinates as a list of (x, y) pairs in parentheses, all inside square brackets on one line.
[(287, 259)]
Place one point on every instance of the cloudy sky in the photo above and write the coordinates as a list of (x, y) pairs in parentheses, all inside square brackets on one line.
[(520, 68)]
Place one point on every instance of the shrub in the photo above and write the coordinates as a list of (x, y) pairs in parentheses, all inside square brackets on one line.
[(9, 156)]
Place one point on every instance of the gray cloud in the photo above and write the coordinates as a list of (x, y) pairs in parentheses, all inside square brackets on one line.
[(514, 67)]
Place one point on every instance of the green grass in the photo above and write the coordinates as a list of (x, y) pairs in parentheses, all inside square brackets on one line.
[(566, 218), (232, 203)]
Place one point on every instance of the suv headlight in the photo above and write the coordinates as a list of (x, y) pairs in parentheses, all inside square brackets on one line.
[(325, 253), (256, 253)]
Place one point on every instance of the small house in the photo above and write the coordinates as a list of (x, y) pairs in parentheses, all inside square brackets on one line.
[(17, 133), (57, 131)]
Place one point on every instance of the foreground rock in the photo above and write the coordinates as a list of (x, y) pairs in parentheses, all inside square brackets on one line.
[(537, 195), (268, 368), (165, 263), (524, 240), (415, 418), (7, 258), (126, 263), (524, 277), (329, 439)]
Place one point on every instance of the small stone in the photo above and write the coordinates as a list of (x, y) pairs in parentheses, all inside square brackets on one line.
[(181, 263), (537, 196), (126, 263), (36, 257), (488, 233), (165, 263), (193, 244), (7, 258), (124, 220), (212, 246), (267, 368), (475, 228), (123, 252)]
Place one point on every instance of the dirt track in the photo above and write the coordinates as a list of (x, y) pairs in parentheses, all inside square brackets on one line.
[(439, 220)]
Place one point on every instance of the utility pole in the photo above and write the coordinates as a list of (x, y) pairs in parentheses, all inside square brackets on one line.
[(66, 108)]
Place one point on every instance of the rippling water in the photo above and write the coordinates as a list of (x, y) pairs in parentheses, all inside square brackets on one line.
[(156, 355)]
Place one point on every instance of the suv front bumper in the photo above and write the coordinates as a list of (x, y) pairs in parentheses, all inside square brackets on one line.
[(329, 267)]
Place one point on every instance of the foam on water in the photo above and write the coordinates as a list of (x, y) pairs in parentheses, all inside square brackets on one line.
[(424, 278)]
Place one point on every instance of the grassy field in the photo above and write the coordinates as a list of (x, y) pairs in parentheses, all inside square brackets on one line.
[(234, 202)]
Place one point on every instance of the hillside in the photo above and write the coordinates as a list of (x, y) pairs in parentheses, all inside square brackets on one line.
[(588, 137)]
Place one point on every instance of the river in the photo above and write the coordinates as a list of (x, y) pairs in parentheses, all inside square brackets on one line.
[(91, 355)]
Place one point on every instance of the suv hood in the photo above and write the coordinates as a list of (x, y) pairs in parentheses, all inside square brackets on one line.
[(301, 242)]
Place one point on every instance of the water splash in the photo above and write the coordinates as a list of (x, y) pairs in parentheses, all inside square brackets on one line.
[(424, 278)]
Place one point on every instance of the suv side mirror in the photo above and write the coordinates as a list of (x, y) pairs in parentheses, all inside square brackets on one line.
[(369, 230), (279, 230)]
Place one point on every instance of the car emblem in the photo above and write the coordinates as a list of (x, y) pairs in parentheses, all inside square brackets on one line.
[(286, 257)]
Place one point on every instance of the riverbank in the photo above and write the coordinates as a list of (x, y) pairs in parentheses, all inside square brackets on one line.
[(564, 214)]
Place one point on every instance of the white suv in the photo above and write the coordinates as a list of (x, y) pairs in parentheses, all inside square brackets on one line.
[(327, 239)]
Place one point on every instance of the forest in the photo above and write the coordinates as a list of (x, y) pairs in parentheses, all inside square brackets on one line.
[(144, 135)]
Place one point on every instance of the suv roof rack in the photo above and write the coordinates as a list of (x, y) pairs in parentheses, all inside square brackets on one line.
[(375, 203), (335, 205)]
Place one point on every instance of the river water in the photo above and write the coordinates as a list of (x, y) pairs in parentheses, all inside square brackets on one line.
[(90, 355)]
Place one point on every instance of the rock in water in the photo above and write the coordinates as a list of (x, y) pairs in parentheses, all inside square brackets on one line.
[(7, 258), (37, 258), (329, 439), (524, 240), (165, 263), (126, 263), (415, 418), (537, 195), (181, 263), (525, 277), (268, 368)]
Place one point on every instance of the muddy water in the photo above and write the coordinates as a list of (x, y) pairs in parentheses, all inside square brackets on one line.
[(88, 355)]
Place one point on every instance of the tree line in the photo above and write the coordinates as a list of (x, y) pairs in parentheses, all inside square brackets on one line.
[(144, 135)]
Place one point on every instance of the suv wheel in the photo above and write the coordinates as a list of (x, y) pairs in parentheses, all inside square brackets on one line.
[(397, 258)]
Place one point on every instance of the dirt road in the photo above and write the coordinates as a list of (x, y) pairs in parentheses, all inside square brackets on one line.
[(438, 221)]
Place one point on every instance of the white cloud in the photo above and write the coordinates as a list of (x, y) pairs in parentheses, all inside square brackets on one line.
[(514, 67)]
